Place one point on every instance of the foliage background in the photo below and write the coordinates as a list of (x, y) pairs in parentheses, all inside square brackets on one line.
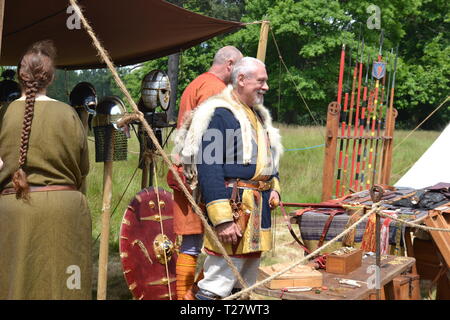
[(310, 34)]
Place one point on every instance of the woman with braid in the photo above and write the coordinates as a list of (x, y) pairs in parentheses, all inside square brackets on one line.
[(45, 223)]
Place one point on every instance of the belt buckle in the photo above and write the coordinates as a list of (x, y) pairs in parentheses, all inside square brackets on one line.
[(262, 185)]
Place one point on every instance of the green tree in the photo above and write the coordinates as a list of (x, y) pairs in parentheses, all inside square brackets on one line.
[(309, 35)]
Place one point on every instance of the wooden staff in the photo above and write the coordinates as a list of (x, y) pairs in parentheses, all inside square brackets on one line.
[(339, 101), (349, 127), (387, 156), (361, 130), (372, 132), (104, 240), (341, 145), (2, 14), (379, 123), (367, 96), (375, 102), (344, 118), (386, 137), (357, 115)]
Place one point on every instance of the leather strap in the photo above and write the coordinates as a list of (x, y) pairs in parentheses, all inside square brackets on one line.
[(55, 187), (289, 225), (249, 184), (326, 227)]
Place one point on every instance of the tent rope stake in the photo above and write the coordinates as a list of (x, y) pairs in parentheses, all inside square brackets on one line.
[(139, 115)]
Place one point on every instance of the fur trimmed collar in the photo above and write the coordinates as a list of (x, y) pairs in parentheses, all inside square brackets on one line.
[(187, 139)]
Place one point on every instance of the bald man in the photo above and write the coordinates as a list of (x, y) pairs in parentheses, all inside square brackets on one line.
[(186, 222), (209, 83)]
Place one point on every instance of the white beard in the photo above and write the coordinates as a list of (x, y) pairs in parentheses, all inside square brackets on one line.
[(259, 99)]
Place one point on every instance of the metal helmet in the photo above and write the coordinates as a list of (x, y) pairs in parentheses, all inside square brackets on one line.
[(155, 90), (110, 140), (83, 95), (109, 110), (9, 89)]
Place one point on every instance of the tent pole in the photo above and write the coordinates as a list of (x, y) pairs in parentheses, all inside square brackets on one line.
[(173, 66), (262, 45), (2, 14)]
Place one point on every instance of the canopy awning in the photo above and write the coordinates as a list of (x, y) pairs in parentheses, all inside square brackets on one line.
[(132, 31)]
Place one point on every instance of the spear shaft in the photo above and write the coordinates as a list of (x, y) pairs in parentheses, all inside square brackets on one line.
[(357, 115), (349, 125), (374, 116), (380, 117), (343, 116), (390, 129), (366, 106), (386, 128)]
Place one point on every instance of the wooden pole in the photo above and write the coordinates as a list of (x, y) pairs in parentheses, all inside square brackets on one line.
[(144, 180), (172, 71), (330, 150), (392, 114), (339, 100), (262, 45), (387, 165), (2, 14), (378, 252), (104, 240)]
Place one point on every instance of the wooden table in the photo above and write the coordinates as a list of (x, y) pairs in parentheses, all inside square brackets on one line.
[(391, 267)]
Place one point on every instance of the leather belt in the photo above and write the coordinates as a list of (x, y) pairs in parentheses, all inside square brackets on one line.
[(55, 187), (249, 184)]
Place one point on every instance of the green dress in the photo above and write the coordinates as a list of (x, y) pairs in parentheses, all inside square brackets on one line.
[(45, 244)]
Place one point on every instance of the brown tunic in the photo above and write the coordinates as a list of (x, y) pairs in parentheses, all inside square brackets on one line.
[(206, 85), (46, 242)]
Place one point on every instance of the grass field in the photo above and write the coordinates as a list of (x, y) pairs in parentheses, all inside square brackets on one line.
[(300, 176)]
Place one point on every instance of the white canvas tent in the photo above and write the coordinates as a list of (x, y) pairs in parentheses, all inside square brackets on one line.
[(433, 167)]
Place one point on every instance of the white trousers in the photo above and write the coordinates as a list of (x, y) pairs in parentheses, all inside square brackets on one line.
[(220, 279)]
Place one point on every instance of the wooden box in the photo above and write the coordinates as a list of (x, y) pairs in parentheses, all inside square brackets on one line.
[(344, 264), (300, 276)]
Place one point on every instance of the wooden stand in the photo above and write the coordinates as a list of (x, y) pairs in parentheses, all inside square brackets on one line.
[(330, 150), (331, 141)]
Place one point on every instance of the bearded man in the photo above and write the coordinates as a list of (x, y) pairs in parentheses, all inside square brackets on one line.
[(186, 223), (230, 152)]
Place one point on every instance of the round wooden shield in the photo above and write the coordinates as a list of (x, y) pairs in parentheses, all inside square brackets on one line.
[(147, 245)]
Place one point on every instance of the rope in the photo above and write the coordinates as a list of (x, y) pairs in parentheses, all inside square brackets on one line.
[(433, 112), (375, 207), (306, 148), (415, 225), (254, 22), (292, 79), (106, 58)]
